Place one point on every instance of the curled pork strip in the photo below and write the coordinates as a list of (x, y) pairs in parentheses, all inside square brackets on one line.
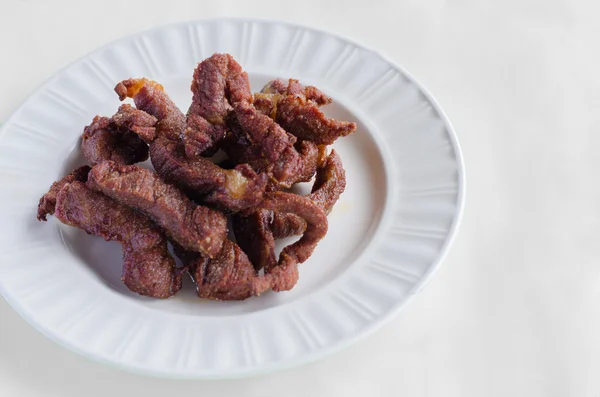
[(194, 227), (219, 83), (285, 273), (120, 138), (228, 276), (48, 200), (260, 245), (232, 190), (148, 268), (296, 109), (257, 232), (293, 87), (263, 131), (295, 165), (330, 183)]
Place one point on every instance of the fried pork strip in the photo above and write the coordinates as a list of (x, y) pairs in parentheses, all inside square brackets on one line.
[(219, 83), (330, 183), (148, 268), (228, 276), (257, 232), (231, 276), (48, 200), (293, 87), (233, 190), (285, 273), (194, 227), (296, 109), (119, 138)]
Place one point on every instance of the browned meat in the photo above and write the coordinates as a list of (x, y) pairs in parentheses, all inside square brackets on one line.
[(253, 234), (48, 200), (233, 190), (263, 131), (329, 184), (285, 274), (228, 276), (266, 103), (194, 227), (200, 137), (151, 97), (291, 167), (131, 119), (257, 232), (294, 88), (296, 109), (287, 225), (119, 138), (148, 268), (302, 117), (219, 84)]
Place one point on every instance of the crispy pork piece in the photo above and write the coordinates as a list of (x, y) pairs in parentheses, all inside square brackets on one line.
[(259, 244), (293, 87), (285, 274), (194, 227), (120, 138), (257, 232), (263, 131), (219, 84), (148, 268), (232, 190), (329, 184), (303, 118), (228, 276), (296, 109), (48, 200)]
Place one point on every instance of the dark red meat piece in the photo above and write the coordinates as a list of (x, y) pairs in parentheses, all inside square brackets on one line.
[(194, 227), (228, 276), (148, 268), (48, 200), (120, 138)]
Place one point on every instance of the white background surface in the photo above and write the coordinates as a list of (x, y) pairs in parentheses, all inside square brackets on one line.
[(515, 309)]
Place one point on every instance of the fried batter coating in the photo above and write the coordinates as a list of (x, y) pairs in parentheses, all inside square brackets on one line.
[(119, 138), (148, 268), (233, 190), (219, 83), (194, 227), (228, 276), (48, 200)]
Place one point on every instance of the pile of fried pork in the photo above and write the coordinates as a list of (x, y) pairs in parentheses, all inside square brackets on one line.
[(272, 140)]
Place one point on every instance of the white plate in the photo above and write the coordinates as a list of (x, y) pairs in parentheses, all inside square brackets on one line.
[(387, 235)]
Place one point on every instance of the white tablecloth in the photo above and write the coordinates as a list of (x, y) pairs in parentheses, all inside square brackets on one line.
[(514, 310)]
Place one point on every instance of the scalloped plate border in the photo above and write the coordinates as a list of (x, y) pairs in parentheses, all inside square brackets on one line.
[(313, 352)]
